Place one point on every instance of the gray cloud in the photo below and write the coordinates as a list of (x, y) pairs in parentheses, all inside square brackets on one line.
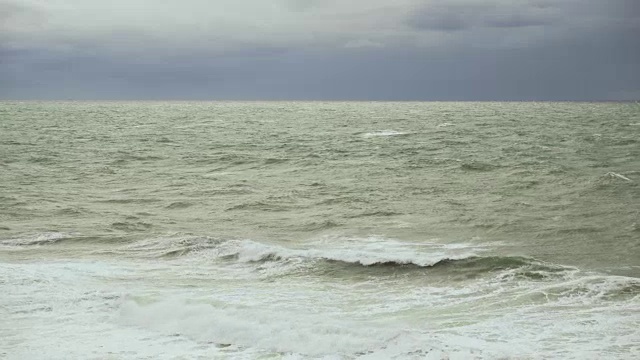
[(613, 8), (460, 15), (440, 18), (10, 10), (310, 49), (515, 20), (18, 19), (302, 5)]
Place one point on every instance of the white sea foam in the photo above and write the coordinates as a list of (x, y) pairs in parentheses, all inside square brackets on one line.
[(364, 251), (176, 244), (446, 124), (383, 133), (35, 239), (137, 309), (451, 330), (616, 175), (297, 334), (283, 330), (223, 307)]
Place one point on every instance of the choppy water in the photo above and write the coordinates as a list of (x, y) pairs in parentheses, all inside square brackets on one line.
[(319, 230)]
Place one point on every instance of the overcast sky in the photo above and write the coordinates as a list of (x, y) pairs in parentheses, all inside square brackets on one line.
[(320, 49)]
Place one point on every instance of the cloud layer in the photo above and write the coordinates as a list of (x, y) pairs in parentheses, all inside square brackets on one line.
[(314, 49)]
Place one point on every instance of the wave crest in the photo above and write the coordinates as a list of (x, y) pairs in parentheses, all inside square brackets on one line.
[(372, 255), (45, 238)]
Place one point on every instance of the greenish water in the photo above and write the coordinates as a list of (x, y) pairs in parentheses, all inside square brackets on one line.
[(528, 206)]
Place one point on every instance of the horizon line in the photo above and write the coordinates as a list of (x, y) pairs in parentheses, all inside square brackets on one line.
[(319, 100)]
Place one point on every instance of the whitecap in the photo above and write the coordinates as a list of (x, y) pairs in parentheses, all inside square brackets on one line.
[(356, 250), (383, 133), (36, 239)]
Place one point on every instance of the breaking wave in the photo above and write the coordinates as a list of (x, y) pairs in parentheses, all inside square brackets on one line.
[(372, 256)]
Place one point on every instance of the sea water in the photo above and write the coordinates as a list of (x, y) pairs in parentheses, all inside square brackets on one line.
[(319, 230)]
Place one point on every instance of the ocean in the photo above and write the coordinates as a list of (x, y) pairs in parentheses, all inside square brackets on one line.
[(319, 230)]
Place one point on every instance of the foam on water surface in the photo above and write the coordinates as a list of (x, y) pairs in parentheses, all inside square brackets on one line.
[(383, 133), (35, 239), (205, 306), (363, 251)]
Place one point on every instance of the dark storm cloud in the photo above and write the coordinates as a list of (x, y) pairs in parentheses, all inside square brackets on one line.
[(516, 20), (310, 49), (8, 54), (466, 15), (615, 8), (631, 8)]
